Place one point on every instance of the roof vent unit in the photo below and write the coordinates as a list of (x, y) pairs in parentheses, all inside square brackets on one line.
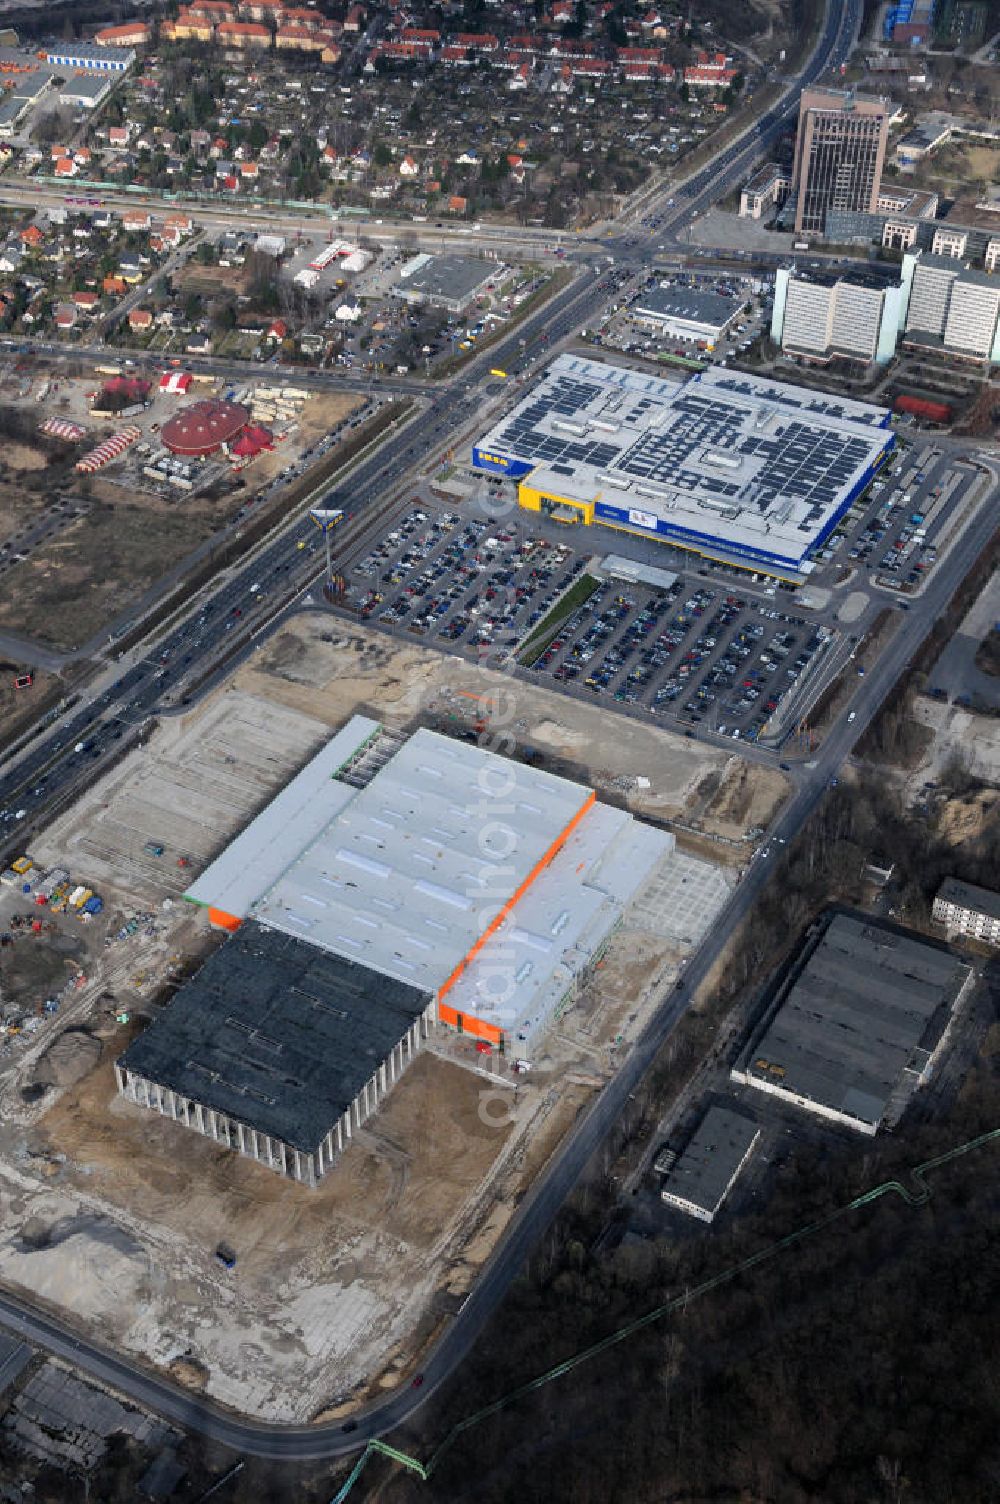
[(721, 461)]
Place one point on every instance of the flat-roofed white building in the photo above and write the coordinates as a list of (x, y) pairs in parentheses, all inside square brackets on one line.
[(965, 909), (86, 90), (686, 313), (742, 468), (81, 56), (486, 883)]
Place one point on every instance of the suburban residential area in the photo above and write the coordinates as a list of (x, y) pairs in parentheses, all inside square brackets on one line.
[(499, 750)]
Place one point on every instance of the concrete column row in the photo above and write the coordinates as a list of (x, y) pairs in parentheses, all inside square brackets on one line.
[(272, 1152)]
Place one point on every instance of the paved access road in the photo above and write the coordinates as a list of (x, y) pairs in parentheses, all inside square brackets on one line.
[(304, 1443), (449, 411)]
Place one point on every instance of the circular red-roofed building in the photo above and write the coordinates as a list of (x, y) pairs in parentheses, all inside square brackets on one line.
[(203, 427)]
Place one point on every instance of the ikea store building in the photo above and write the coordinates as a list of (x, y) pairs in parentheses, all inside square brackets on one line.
[(739, 468)]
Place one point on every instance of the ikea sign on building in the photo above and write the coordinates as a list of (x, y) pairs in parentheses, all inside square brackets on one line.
[(499, 464)]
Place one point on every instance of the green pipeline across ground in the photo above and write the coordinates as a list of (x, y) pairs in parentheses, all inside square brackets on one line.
[(916, 1194)]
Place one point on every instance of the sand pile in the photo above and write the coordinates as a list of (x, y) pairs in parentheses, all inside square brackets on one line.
[(966, 819)]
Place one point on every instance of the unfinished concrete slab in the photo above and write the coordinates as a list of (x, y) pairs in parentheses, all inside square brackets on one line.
[(201, 779), (681, 900)]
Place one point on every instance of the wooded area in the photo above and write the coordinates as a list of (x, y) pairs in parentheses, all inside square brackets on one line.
[(855, 1368)]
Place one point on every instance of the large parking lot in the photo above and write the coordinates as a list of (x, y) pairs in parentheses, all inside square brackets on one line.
[(471, 582), (707, 646), (893, 532), (692, 651)]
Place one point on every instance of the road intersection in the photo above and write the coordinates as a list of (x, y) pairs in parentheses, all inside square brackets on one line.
[(51, 769)]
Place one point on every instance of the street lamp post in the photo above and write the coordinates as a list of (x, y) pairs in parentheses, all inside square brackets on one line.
[(326, 519)]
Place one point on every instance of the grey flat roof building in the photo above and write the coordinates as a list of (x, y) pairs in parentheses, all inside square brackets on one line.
[(867, 1005), (277, 1048), (87, 89), (734, 465), (449, 282), (87, 55), (700, 1179), (688, 311)]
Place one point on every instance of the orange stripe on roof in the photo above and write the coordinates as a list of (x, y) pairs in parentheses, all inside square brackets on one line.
[(515, 898)]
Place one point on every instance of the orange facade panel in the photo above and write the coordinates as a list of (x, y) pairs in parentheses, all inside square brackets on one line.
[(220, 920), (465, 1023)]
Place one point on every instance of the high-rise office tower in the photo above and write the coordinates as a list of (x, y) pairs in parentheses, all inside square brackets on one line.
[(839, 155)]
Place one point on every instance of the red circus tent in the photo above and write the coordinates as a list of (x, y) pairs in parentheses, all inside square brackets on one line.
[(251, 442)]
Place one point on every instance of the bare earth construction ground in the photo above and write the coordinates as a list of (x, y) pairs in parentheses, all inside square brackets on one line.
[(113, 1215), (331, 668)]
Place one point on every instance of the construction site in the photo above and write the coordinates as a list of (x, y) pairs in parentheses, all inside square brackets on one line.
[(290, 1300)]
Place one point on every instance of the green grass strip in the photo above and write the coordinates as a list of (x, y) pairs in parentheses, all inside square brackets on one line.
[(581, 590)]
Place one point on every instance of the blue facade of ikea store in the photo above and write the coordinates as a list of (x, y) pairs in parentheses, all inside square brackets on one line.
[(500, 464), (626, 517), (690, 538)]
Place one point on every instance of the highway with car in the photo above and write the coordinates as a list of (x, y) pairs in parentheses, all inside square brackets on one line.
[(253, 595)]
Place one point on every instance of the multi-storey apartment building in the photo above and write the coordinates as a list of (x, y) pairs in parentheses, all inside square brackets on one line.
[(965, 909)]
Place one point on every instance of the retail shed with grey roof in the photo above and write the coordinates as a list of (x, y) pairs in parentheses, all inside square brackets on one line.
[(867, 1006), (699, 1181), (449, 282), (687, 312), (277, 1049)]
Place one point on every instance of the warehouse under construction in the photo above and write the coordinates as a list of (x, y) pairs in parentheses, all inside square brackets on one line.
[(394, 884)]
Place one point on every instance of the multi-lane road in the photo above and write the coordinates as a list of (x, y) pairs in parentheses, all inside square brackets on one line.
[(59, 760), (304, 1443), (71, 751)]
